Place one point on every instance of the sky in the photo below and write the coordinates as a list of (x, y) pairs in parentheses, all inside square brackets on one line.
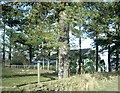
[(85, 43)]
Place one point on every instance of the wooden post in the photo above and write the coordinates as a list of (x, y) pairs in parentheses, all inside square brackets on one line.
[(38, 67)]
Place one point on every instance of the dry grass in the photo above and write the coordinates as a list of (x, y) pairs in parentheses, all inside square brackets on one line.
[(84, 82)]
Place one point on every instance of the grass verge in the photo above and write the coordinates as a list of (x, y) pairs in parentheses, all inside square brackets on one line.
[(17, 77)]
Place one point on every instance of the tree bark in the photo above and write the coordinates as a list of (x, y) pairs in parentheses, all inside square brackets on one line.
[(117, 59), (66, 67), (80, 58), (43, 59), (109, 63), (66, 60), (67, 55), (43, 63), (48, 67), (10, 54), (57, 60), (30, 54), (117, 50), (96, 53), (63, 50), (3, 59), (61, 65)]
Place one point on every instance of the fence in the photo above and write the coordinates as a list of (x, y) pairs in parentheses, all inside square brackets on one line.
[(52, 67)]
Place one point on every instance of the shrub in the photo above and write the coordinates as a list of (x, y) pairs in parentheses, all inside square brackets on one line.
[(88, 66), (18, 58)]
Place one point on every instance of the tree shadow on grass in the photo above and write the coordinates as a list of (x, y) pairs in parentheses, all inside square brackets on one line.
[(47, 75), (102, 75), (18, 75), (50, 75)]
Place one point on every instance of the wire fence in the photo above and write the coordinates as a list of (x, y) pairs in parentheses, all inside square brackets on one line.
[(51, 67)]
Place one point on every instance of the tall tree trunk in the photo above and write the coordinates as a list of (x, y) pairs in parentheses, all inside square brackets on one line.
[(67, 55), (63, 50), (66, 66), (118, 50), (48, 67), (56, 64), (10, 54), (30, 54), (117, 59), (10, 49), (43, 59), (109, 63), (43, 63), (57, 60), (3, 59), (96, 53), (80, 58), (61, 65)]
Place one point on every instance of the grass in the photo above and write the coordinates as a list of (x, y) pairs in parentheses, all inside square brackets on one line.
[(26, 80), (84, 82), (12, 72), (16, 81), (18, 77), (108, 84)]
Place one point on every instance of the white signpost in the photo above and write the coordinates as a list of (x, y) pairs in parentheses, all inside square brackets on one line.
[(38, 68)]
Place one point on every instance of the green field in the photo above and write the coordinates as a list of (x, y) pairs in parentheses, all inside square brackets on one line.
[(26, 80), (19, 77)]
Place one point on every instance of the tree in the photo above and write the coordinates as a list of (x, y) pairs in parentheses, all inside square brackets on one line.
[(99, 26), (41, 27), (5, 17), (78, 21), (111, 40), (117, 11), (13, 18)]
